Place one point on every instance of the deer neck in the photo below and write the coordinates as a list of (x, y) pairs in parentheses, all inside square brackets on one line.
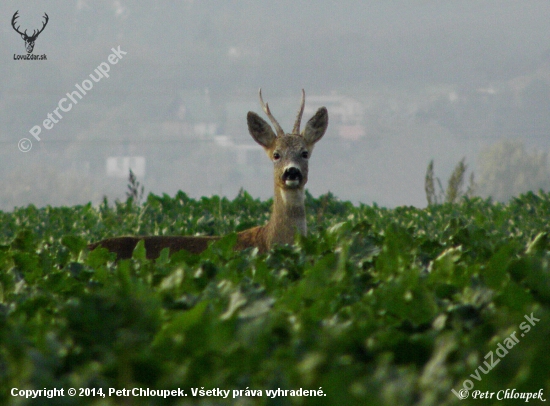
[(287, 217)]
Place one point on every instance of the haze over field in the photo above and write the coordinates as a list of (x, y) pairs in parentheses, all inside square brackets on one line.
[(404, 82)]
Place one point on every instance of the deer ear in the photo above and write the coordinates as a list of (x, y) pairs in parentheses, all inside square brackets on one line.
[(259, 130), (316, 126)]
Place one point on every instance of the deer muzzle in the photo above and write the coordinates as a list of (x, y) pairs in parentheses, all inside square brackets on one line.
[(292, 176)]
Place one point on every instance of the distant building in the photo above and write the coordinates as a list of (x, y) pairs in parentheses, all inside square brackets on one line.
[(346, 114), (119, 166), (191, 113)]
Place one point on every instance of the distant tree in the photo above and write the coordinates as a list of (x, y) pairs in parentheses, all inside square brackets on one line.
[(507, 169)]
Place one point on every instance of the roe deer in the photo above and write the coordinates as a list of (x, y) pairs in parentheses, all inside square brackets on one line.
[(290, 154)]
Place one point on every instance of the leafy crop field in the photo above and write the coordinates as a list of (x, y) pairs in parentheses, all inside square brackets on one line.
[(375, 307)]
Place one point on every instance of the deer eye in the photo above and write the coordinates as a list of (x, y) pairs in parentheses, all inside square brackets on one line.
[(305, 154), (276, 156)]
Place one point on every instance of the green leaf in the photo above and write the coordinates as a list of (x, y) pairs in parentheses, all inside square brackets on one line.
[(514, 297), (397, 251), (74, 243), (100, 256), (24, 241), (181, 323), (540, 243), (224, 246), (495, 274), (444, 264), (29, 264), (139, 251), (319, 276)]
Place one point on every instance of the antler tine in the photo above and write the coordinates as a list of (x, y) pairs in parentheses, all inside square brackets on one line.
[(15, 17), (46, 21), (296, 129), (45, 16), (265, 107)]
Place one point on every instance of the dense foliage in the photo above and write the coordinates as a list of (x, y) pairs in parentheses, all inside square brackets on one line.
[(376, 306)]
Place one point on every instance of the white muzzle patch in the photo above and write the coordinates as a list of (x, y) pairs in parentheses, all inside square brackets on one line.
[(292, 183)]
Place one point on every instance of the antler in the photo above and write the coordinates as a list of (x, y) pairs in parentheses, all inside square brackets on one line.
[(296, 129), (15, 16), (43, 26), (278, 128), (34, 33)]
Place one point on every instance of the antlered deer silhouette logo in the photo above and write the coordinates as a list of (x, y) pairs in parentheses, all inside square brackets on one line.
[(29, 39)]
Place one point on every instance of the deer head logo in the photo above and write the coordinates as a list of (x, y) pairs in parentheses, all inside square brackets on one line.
[(29, 39)]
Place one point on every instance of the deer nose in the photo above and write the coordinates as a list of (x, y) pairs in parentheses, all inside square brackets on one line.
[(292, 176)]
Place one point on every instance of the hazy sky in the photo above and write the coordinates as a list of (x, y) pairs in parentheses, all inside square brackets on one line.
[(395, 57)]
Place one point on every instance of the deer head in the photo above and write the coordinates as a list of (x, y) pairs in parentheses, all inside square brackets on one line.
[(29, 39), (288, 152)]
